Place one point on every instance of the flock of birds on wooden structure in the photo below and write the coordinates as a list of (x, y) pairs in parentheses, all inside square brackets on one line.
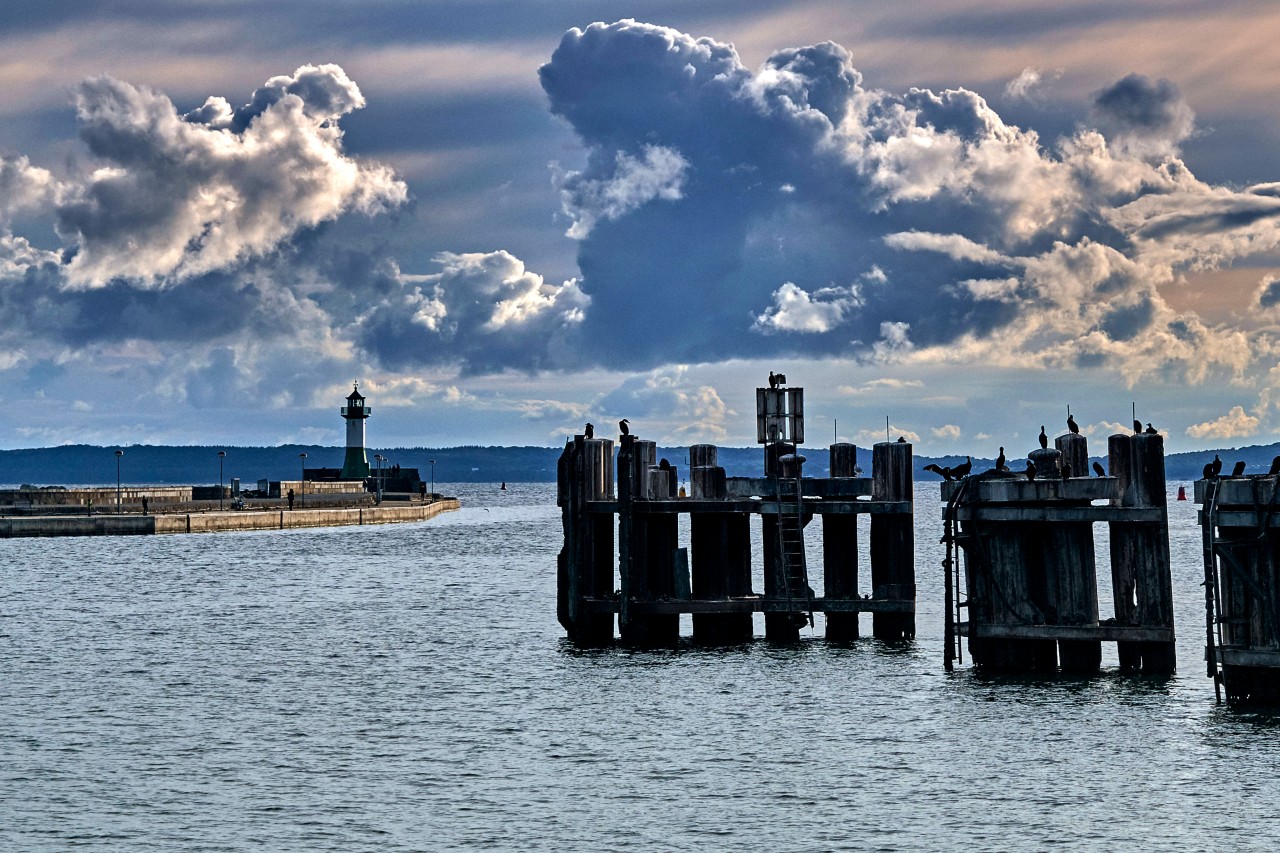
[(1212, 471), (964, 469)]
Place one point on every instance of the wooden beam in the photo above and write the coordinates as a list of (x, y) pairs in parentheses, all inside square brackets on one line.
[(743, 488), (1147, 515), (754, 604), (689, 506), (1242, 518), (1269, 658), (1118, 633)]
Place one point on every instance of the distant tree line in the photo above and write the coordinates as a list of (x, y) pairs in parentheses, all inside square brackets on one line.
[(83, 464)]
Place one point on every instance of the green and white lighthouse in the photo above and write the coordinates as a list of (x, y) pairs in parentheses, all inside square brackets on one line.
[(355, 466)]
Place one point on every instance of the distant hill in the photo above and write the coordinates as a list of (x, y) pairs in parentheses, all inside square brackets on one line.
[(82, 464)]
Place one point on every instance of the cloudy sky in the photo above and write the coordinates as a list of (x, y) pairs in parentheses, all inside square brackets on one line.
[(505, 219)]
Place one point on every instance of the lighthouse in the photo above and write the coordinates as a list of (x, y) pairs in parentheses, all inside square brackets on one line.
[(355, 466)]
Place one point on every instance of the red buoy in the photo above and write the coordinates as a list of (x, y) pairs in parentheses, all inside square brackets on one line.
[(1182, 493)]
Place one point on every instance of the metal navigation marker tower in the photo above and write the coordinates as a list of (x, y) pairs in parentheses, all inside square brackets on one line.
[(355, 465), (779, 415), (780, 428)]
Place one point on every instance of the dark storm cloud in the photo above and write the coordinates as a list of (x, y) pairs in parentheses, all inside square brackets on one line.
[(725, 212), (771, 194), (483, 312), (1139, 110), (37, 303)]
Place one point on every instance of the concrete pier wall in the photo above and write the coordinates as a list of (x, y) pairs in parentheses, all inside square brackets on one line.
[(212, 522)]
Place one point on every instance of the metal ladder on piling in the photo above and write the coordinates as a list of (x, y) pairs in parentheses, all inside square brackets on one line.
[(952, 537), (794, 567)]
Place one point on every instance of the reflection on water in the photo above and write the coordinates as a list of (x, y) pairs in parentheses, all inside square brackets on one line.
[(408, 688)]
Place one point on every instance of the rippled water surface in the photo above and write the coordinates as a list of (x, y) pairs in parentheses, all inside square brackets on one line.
[(408, 688)]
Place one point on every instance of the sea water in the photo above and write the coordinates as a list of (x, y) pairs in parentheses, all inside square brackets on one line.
[(407, 687)]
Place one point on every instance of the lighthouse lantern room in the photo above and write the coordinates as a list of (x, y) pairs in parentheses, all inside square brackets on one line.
[(355, 466)]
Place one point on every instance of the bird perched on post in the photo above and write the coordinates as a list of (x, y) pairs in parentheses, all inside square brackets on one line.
[(1044, 438), (962, 470), (1152, 430), (664, 465), (1097, 469), (1216, 465), (902, 439), (591, 430), (1275, 467), (623, 428), (1066, 470), (1207, 473), (773, 379), (1031, 470), (1239, 469), (1000, 466), (1137, 427), (1072, 425)]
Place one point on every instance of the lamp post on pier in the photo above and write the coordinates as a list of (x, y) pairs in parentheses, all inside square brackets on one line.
[(119, 453), (302, 484), (222, 454), (433, 479), (379, 458)]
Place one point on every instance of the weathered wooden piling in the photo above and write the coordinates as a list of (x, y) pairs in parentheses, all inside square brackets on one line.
[(720, 546), (585, 564), (647, 545), (893, 541), (1070, 571), (840, 550), (1141, 583), (1238, 519), (658, 581), (1030, 564)]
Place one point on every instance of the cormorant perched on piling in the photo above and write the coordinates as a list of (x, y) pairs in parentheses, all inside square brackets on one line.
[(1207, 474), (1216, 465), (902, 439), (591, 431), (1072, 425), (944, 473), (773, 379), (1031, 470), (1137, 427), (961, 471), (664, 464), (1239, 469), (1000, 461), (1151, 430), (1044, 438), (1275, 467), (623, 428), (1066, 470), (1098, 469)]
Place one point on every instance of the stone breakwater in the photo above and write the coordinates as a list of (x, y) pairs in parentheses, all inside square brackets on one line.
[(213, 522)]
